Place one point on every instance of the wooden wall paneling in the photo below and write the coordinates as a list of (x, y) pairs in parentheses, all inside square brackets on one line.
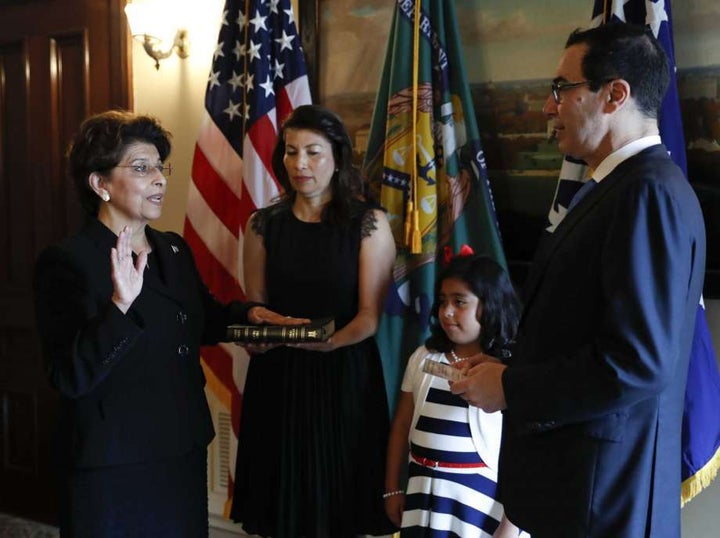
[(13, 112), (59, 62), (20, 464), (120, 57), (70, 98), (19, 413), (309, 23)]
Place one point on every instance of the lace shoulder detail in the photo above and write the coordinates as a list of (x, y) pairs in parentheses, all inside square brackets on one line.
[(258, 221), (368, 224), (262, 218)]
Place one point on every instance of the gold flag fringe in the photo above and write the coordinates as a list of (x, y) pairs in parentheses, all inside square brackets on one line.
[(700, 480)]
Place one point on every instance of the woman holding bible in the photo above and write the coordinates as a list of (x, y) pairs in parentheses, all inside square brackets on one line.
[(314, 424), (121, 313)]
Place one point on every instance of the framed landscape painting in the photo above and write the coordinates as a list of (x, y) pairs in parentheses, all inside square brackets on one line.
[(511, 49)]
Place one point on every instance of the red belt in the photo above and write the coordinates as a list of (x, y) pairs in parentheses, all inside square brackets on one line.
[(432, 463)]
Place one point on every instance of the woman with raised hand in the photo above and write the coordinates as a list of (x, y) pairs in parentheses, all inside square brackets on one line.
[(122, 312)]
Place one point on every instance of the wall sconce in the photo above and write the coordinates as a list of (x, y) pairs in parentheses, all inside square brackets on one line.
[(152, 24)]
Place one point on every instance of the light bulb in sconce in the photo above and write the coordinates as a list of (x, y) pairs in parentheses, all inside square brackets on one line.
[(152, 22)]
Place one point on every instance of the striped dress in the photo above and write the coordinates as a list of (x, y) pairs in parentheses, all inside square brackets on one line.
[(453, 461), (456, 497)]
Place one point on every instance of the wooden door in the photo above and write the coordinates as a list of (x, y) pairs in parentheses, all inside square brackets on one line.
[(60, 60)]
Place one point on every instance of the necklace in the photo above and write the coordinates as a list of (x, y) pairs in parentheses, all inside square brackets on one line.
[(455, 359)]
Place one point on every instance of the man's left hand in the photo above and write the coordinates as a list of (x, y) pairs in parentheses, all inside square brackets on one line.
[(483, 387)]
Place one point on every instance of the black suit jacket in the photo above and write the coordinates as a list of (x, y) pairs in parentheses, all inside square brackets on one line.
[(595, 391), (132, 388)]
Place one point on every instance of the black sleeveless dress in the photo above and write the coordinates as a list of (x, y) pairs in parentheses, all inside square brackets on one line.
[(314, 425)]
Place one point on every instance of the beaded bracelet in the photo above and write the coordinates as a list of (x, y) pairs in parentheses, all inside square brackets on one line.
[(391, 493)]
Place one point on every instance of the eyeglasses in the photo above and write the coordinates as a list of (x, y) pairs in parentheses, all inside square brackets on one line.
[(144, 169), (557, 87)]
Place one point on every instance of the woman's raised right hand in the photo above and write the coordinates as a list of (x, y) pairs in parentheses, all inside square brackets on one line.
[(126, 275)]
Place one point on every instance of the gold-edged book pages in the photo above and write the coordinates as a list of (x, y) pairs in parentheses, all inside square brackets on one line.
[(318, 330)]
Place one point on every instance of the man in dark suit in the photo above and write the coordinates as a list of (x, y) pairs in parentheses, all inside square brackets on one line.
[(593, 395)]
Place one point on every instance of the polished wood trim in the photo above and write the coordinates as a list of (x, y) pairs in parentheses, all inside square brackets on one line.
[(309, 27)]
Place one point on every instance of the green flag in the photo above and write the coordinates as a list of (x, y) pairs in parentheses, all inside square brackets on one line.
[(425, 161)]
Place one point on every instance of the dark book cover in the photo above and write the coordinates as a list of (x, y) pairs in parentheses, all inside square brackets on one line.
[(318, 330)]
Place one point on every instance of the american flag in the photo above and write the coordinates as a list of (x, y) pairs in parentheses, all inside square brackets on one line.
[(257, 78)]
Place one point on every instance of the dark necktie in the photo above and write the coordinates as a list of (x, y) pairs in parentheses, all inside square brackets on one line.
[(582, 192)]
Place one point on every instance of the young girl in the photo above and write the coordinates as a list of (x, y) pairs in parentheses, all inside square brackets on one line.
[(453, 447)]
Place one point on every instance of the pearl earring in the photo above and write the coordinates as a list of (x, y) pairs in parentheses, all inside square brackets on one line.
[(105, 195)]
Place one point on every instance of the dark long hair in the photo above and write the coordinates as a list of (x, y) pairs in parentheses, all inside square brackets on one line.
[(500, 304), (346, 184)]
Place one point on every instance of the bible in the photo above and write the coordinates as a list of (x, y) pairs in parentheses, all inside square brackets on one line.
[(442, 370), (318, 330)]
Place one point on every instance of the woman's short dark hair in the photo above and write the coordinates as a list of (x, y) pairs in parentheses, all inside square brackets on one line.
[(500, 304), (347, 183), (629, 52), (100, 144)]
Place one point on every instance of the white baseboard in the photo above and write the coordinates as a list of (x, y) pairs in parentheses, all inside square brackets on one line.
[(228, 527)]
